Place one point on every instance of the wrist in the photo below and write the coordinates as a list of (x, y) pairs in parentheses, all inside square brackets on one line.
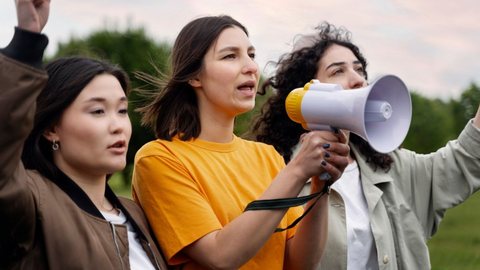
[(296, 172), (320, 185), (27, 47)]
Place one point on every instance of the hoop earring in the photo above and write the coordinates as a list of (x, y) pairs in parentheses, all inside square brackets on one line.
[(55, 145)]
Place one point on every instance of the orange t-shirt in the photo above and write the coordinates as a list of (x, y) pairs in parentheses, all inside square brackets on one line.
[(189, 189)]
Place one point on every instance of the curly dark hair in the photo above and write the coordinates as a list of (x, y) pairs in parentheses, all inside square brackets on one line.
[(294, 69)]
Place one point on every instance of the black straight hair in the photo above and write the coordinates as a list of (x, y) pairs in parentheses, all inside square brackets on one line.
[(67, 77)]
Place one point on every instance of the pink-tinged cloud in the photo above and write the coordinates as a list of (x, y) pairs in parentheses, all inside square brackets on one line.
[(432, 46)]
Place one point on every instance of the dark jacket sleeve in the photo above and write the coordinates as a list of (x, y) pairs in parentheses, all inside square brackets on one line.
[(26, 47), (20, 83)]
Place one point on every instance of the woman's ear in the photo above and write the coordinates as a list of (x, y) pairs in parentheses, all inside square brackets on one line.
[(195, 82), (50, 134)]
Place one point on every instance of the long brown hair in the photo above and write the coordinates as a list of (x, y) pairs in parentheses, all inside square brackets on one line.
[(174, 109)]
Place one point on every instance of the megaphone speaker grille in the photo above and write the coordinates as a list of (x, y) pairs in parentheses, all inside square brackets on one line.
[(385, 136)]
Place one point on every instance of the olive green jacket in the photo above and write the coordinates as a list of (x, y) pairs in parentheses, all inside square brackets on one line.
[(407, 203)]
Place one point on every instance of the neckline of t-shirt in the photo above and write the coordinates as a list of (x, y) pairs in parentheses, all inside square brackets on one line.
[(216, 146), (351, 167), (114, 218)]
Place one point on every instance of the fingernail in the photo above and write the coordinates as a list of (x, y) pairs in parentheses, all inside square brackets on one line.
[(325, 176), (324, 163), (327, 155), (326, 145)]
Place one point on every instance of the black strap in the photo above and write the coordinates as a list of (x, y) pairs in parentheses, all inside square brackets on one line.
[(272, 204)]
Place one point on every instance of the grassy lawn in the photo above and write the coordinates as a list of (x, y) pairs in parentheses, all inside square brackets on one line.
[(456, 246), (457, 242)]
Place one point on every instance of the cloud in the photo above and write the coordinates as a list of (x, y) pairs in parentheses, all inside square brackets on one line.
[(432, 46)]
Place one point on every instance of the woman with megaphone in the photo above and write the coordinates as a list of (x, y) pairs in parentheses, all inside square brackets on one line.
[(385, 206), (208, 193)]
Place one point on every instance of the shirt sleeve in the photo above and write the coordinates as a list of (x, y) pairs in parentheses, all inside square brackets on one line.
[(441, 180), (19, 88), (177, 210), (26, 47)]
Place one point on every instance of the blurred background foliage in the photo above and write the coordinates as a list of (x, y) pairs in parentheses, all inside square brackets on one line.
[(434, 122)]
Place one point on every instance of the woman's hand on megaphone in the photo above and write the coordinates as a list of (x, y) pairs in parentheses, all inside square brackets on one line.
[(322, 152)]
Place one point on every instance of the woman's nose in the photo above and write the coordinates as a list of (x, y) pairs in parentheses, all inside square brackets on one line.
[(118, 123), (356, 81), (250, 66)]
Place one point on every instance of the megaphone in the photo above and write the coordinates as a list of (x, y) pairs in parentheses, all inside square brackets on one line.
[(379, 113)]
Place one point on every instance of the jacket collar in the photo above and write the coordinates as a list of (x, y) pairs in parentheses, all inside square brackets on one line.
[(374, 177), (371, 180), (81, 199), (76, 193)]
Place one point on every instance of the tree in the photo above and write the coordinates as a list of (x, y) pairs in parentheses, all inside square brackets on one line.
[(466, 107), (431, 126)]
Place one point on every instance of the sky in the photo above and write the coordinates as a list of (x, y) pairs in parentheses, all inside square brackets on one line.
[(433, 46)]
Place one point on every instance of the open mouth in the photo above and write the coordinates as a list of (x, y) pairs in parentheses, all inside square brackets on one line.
[(247, 86), (118, 144)]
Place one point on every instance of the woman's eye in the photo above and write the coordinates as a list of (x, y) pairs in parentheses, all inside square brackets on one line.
[(123, 111), (252, 55), (337, 72), (230, 56), (97, 112), (361, 71)]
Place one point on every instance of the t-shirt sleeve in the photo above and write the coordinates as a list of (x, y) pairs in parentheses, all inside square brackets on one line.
[(174, 204)]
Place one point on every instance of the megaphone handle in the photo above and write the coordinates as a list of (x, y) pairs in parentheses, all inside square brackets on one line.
[(322, 127), (325, 176), (318, 127)]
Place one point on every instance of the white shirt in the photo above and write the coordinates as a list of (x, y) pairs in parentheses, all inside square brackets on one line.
[(137, 256), (361, 251)]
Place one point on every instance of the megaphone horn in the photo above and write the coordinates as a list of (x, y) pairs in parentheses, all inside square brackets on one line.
[(379, 113)]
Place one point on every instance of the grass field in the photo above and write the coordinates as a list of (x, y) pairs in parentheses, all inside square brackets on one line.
[(456, 246)]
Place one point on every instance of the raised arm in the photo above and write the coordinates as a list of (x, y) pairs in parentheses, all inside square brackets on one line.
[(20, 84), (21, 81)]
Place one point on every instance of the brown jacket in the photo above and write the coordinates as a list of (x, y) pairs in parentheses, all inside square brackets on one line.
[(51, 223)]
